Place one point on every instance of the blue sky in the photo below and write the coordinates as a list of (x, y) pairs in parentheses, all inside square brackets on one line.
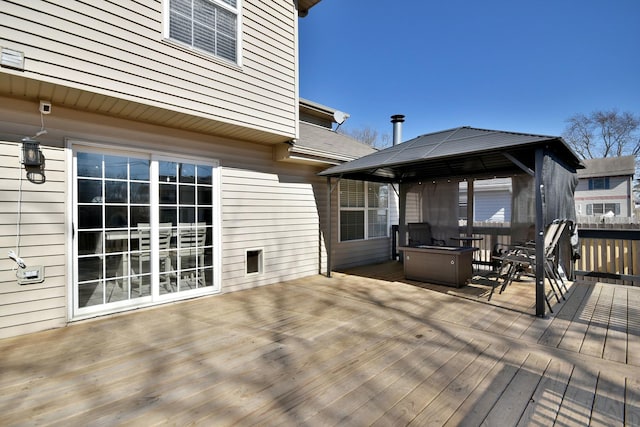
[(523, 66)]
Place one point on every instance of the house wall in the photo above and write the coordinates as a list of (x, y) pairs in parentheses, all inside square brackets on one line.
[(359, 252), (40, 210), (619, 192), (121, 47), (265, 204)]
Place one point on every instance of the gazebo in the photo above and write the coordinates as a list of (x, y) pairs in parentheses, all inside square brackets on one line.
[(428, 168)]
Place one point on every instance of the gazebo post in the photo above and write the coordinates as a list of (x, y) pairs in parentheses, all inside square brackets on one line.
[(470, 198), (328, 232), (402, 218), (539, 186)]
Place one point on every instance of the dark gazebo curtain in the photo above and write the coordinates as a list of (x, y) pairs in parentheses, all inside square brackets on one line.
[(435, 202), (559, 184)]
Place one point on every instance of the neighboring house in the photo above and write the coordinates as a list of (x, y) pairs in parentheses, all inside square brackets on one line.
[(174, 162), (604, 191), (605, 188), (492, 200)]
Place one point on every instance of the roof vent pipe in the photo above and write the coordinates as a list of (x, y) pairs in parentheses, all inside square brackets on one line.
[(397, 120)]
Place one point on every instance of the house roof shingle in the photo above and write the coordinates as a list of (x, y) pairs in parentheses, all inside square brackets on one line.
[(331, 142), (608, 166)]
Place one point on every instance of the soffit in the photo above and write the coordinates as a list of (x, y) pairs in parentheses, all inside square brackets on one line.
[(60, 95)]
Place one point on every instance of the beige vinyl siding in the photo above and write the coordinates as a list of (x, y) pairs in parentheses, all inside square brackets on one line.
[(356, 252), (118, 49), (276, 206), (29, 308), (268, 211)]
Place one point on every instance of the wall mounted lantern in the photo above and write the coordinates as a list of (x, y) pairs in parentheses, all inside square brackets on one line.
[(31, 154)]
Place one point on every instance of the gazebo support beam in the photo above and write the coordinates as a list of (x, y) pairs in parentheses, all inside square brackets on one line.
[(520, 164)]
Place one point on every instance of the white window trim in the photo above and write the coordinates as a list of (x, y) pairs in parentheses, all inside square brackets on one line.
[(239, 32), (366, 209), (72, 147)]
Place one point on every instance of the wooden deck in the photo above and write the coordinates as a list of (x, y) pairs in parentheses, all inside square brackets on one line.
[(355, 349)]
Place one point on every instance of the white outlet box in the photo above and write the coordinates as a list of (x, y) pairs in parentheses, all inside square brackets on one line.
[(31, 274)]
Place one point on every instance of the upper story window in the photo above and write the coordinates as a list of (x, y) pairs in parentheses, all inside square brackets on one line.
[(207, 25), (599, 183)]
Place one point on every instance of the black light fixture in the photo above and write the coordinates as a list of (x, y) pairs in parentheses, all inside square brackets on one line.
[(31, 154)]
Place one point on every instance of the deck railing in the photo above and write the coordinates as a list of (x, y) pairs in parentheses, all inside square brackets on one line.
[(609, 253)]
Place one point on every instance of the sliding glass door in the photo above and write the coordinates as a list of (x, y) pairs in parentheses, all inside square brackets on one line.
[(144, 229)]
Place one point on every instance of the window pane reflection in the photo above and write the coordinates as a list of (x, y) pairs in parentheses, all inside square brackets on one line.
[(169, 215), (204, 174), (168, 171), (90, 216), (168, 193), (187, 173), (115, 167), (139, 192), (89, 164), (187, 195), (116, 216), (139, 169), (115, 192), (89, 191)]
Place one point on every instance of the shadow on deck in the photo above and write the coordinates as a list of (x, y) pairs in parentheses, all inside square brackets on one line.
[(520, 296)]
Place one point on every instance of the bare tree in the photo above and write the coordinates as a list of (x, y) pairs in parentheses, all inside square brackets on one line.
[(367, 135), (603, 134)]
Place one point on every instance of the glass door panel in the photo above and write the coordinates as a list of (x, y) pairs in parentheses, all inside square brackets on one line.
[(133, 247), (112, 197), (186, 206)]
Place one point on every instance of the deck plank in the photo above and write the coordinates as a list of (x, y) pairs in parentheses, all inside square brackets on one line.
[(545, 403), (405, 410), (444, 406), (615, 346), (596, 334), (350, 350), (561, 321), (575, 333), (632, 402), (480, 401), (360, 402), (633, 326), (577, 402), (608, 404), (512, 403)]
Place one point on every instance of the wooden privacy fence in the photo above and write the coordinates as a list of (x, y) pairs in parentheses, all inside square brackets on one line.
[(610, 255)]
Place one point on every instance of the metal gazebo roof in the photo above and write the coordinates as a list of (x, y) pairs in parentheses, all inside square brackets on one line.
[(463, 151)]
